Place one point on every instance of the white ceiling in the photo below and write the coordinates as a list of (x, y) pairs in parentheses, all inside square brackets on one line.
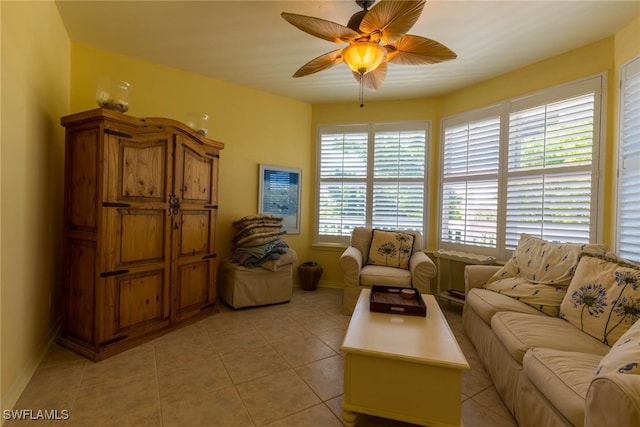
[(248, 43)]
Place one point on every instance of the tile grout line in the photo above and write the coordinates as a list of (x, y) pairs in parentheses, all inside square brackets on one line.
[(155, 368), (77, 393)]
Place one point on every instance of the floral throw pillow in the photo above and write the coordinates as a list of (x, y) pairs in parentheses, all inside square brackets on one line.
[(545, 262), (539, 272), (624, 356), (603, 298), (391, 249)]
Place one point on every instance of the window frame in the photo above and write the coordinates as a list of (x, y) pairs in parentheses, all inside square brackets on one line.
[(372, 128), (595, 84)]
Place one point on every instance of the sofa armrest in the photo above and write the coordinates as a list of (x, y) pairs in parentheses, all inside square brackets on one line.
[(613, 400), (351, 263), (475, 276), (422, 269)]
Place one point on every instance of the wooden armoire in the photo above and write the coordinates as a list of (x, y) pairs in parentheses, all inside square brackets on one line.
[(140, 210)]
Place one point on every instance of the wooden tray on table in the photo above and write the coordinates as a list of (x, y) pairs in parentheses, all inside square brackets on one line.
[(389, 299)]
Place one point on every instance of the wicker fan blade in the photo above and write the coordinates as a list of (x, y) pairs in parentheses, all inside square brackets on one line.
[(393, 18), (320, 63), (321, 28), (417, 50), (373, 80)]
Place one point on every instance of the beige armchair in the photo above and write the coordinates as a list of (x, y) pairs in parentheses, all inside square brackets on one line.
[(406, 264)]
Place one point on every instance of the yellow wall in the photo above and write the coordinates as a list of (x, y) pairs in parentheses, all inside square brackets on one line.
[(35, 93), (255, 127), (627, 42)]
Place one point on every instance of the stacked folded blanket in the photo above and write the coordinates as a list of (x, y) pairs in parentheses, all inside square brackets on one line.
[(257, 242)]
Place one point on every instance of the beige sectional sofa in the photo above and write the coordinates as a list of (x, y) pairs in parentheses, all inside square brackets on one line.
[(568, 355)]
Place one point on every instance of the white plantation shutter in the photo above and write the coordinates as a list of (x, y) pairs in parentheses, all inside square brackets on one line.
[(526, 165), (370, 175), (470, 183), (628, 221), (549, 164), (343, 180), (553, 207), (398, 206), (398, 179), (470, 213)]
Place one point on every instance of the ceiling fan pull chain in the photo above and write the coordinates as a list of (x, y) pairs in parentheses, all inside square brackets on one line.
[(361, 94)]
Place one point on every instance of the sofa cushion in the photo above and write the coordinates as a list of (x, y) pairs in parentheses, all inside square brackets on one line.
[(486, 303), (603, 298), (544, 298), (539, 271), (391, 249), (387, 276), (519, 332), (624, 356), (563, 377)]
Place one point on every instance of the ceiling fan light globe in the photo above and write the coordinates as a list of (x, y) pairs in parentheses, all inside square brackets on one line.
[(363, 57)]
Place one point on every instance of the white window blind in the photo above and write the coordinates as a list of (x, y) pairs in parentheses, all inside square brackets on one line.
[(370, 175), (628, 214), (549, 164), (343, 180), (527, 165), (470, 183)]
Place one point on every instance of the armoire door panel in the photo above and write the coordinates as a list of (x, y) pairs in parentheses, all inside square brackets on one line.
[(137, 167), (78, 291), (139, 299), (192, 289), (194, 232), (142, 173), (82, 176), (143, 236), (196, 177)]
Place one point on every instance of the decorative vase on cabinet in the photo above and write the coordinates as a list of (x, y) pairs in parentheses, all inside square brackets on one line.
[(140, 215)]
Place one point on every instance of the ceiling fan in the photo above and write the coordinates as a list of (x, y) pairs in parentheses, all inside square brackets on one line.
[(375, 37)]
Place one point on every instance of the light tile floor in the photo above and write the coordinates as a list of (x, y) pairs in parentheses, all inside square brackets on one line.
[(277, 366)]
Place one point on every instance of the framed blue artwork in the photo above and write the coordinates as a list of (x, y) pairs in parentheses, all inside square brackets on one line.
[(280, 189)]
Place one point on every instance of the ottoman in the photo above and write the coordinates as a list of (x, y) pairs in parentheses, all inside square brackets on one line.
[(246, 287)]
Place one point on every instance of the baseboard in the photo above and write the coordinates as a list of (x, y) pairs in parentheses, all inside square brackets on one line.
[(11, 398), (330, 284), (323, 284)]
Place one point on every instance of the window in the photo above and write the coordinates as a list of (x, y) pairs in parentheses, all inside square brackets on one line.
[(470, 182), (370, 175), (628, 206), (526, 165)]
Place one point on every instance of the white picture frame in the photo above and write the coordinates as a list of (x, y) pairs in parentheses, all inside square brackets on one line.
[(280, 194)]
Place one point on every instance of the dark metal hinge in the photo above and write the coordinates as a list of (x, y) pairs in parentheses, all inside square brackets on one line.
[(117, 133), (211, 206), (113, 273), (115, 205), (209, 256)]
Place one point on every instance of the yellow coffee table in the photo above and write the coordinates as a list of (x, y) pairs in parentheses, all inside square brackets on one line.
[(407, 368)]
